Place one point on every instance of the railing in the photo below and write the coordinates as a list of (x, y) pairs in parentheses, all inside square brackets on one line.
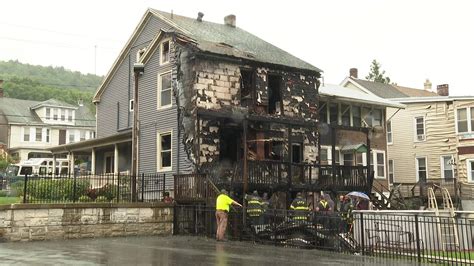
[(420, 188), (405, 236), (90, 188), (192, 187)]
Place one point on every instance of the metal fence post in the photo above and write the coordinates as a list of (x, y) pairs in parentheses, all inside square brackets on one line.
[(118, 187), (74, 188), (143, 185), (417, 231), (25, 187), (164, 183), (362, 235)]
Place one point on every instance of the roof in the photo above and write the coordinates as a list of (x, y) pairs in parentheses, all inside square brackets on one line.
[(18, 111), (359, 148), (384, 90), (53, 103), (352, 95), (212, 38), (86, 145), (232, 41)]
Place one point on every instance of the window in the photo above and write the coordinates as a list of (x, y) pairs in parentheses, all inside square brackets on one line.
[(367, 114), (359, 159), (324, 157), (390, 171), (465, 120), (447, 170), (48, 113), (419, 128), (348, 158), (63, 115), (421, 169), (130, 105), (39, 134), (164, 90), (26, 134), (377, 117), (82, 135), (470, 170), (274, 95), (380, 164), (297, 153), (356, 120), (72, 136), (164, 151), (323, 112), (389, 132), (337, 157), (165, 52), (69, 115), (55, 114), (333, 113), (345, 115), (47, 135)]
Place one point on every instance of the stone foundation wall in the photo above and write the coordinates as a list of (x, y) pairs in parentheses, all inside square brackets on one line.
[(26, 222)]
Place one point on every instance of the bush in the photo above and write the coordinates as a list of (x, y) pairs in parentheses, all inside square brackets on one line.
[(84, 198), (57, 189), (109, 191), (4, 193), (102, 199)]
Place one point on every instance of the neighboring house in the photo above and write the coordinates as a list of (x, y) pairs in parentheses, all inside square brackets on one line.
[(213, 99), (353, 122), (431, 140), (30, 128)]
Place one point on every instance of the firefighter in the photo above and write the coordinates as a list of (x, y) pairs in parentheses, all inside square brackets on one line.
[(255, 209), (323, 205), (300, 208), (346, 213)]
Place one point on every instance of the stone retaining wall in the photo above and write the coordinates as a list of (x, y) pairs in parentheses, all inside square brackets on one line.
[(25, 222)]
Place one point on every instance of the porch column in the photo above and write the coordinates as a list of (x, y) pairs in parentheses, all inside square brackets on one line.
[(116, 159), (369, 173), (290, 166), (245, 176), (71, 163), (93, 161), (333, 151), (54, 165)]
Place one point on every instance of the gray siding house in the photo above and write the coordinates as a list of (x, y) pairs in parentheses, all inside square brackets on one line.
[(210, 96)]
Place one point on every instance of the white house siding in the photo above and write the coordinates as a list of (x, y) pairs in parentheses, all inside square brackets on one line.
[(440, 139)]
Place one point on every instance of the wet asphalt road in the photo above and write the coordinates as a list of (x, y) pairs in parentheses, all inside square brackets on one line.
[(170, 251)]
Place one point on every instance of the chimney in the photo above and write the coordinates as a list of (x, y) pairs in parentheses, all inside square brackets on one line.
[(200, 15), (353, 73), (443, 90), (1, 88), (229, 20), (427, 85)]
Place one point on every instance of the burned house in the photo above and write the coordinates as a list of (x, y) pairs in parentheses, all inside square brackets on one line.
[(213, 100)]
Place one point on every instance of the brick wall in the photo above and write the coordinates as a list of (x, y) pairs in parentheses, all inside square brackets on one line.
[(26, 222)]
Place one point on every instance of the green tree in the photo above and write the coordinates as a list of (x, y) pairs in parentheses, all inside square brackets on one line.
[(376, 74)]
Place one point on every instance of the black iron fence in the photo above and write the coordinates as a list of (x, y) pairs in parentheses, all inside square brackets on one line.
[(410, 236), (91, 188)]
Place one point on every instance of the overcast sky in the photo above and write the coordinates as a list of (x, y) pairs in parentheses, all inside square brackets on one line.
[(413, 40)]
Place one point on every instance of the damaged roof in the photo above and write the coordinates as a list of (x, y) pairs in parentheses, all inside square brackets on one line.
[(232, 41)]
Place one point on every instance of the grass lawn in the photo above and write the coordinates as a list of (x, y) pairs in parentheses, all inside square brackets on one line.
[(453, 254), (9, 200)]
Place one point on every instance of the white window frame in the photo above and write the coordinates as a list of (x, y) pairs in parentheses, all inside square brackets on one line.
[(40, 135), (63, 114), (70, 115), (441, 158), (112, 157), (47, 116), (469, 120), (160, 89), (415, 129), (131, 105), (376, 164), (391, 170), (47, 135), (470, 177), (417, 167), (159, 151), (330, 155), (26, 130), (389, 133), (55, 114), (140, 53), (161, 51)]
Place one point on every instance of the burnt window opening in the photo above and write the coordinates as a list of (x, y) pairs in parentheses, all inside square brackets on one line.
[(296, 153), (230, 144), (274, 150), (333, 113), (274, 94), (246, 85), (323, 112)]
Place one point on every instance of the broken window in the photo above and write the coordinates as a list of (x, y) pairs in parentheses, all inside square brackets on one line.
[(297, 153), (165, 52), (323, 112), (274, 150), (274, 94), (246, 85), (230, 143)]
